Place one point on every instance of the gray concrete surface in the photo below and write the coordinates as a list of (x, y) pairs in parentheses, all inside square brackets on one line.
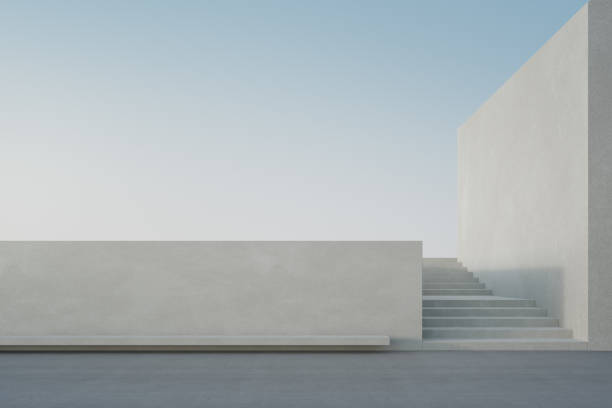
[(395, 379), (600, 174), (185, 291), (523, 181)]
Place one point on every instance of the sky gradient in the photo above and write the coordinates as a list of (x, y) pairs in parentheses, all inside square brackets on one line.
[(248, 120)]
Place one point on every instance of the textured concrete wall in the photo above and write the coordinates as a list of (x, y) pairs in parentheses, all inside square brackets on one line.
[(523, 181), (600, 174), (211, 288)]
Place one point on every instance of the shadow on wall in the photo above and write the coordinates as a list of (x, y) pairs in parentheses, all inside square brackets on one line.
[(544, 285)]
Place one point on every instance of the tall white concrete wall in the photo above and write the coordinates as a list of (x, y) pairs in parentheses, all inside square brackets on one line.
[(175, 289), (523, 181), (600, 174)]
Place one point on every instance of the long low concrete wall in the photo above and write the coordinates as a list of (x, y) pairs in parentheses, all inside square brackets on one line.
[(191, 293)]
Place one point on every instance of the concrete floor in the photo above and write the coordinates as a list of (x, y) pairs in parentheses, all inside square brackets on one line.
[(400, 379)]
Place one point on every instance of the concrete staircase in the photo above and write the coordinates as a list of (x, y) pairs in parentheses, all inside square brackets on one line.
[(460, 312)]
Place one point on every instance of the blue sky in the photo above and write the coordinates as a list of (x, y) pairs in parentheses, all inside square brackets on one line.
[(240, 120)]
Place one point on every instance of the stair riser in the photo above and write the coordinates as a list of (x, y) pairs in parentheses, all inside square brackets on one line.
[(483, 312), (479, 303), (457, 292), (483, 333), (450, 272), (453, 285), (438, 278), (490, 322)]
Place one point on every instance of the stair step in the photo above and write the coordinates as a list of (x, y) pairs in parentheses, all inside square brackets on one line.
[(475, 301), (490, 322), (453, 285), (496, 333), (446, 263), (484, 311), (505, 344), (458, 292), (445, 269), (448, 277), (447, 272), (440, 259)]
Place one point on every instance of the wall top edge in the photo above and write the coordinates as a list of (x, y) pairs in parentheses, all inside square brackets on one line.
[(583, 12), (209, 242)]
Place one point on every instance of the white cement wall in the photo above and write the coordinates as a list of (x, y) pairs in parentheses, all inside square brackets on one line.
[(600, 174), (131, 289), (523, 181)]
